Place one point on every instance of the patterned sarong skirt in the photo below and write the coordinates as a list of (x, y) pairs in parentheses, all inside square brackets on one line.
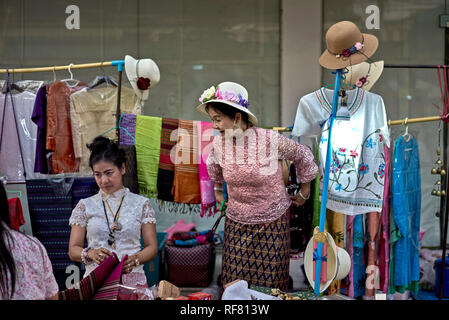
[(257, 253)]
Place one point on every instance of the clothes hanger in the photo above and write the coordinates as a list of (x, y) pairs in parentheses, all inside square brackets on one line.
[(54, 74), (71, 78), (9, 87), (406, 135), (102, 79)]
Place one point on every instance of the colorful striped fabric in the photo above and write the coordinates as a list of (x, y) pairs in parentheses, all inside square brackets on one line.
[(148, 146), (101, 284), (50, 212), (186, 185), (166, 166)]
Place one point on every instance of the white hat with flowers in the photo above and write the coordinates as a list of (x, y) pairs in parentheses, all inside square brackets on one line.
[(230, 93)]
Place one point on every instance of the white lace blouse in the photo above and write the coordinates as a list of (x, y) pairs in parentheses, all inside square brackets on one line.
[(135, 211)]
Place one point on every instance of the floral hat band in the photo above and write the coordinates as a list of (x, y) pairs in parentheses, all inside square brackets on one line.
[(346, 53), (214, 93)]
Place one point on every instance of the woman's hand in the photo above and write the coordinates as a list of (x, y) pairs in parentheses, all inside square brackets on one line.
[(130, 263), (302, 196), (98, 255)]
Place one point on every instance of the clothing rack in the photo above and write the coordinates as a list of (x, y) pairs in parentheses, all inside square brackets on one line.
[(444, 200), (118, 63)]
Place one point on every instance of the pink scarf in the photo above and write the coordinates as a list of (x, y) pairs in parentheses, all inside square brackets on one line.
[(205, 138)]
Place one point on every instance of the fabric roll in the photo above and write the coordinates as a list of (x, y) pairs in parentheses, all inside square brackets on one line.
[(350, 249), (101, 284), (186, 186), (384, 236), (130, 176), (372, 265), (359, 277), (205, 138), (257, 253), (148, 147), (166, 166), (336, 227), (128, 122)]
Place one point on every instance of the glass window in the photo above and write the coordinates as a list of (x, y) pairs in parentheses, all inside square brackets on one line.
[(196, 43)]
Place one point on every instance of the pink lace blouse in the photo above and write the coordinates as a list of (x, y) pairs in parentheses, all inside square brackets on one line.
[(34, 272), (251, 166)]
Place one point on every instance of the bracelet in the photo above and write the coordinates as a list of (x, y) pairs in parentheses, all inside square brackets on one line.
[(302, 196), (137, 262), (218, 189), (84, 258)]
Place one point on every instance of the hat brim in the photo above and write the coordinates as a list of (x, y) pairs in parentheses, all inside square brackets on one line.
[(330, 61), (355, 73), (130, 69), (251, 117)]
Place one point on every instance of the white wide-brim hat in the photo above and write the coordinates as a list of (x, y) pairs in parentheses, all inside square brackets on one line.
[(143, 68), (370, 71), (230, 93), (338, 262)]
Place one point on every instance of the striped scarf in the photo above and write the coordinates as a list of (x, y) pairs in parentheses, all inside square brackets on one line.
[(148, 146), (166, 166), (186, 186)]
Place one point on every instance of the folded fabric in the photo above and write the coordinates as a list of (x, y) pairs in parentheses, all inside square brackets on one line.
[(128, 123), (186, 185), (101, 284), (179, 226), (16, 218), (148, 147), (166, 166), (323, 258), (205, 138)]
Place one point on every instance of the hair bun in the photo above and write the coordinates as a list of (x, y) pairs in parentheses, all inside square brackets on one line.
[(99, 144)]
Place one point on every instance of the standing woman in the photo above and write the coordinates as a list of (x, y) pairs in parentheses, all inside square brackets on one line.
[(25, 269), (249, 159), (113, 220)]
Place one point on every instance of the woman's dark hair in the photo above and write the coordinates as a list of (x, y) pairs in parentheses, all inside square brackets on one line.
[(103, 148), (229, 111), (6, 259)]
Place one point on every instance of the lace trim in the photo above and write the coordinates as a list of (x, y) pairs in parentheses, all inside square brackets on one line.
[(79, 215)]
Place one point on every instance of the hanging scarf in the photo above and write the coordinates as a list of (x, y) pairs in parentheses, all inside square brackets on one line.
[(166, 166), (128, 122), (148, 146), (205, 138), (186, 186)]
